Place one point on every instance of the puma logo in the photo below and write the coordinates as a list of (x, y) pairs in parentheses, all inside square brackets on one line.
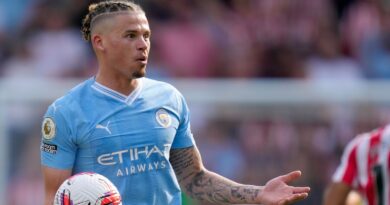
[(99, 126)]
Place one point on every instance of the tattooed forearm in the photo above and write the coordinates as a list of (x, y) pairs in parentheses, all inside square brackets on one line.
[(244, 193), (182, 161), (205, 185), (212, 187)]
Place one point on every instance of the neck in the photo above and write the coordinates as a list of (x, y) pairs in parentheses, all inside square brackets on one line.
[(118, 83)]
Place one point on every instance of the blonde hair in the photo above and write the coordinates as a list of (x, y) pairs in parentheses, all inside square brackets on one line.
[(104, 8)]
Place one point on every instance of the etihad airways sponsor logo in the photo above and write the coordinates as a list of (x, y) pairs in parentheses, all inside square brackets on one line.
[(135, 154), (132, 154), (141, 168)]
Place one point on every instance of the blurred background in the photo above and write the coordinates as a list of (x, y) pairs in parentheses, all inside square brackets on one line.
[(273, 85)]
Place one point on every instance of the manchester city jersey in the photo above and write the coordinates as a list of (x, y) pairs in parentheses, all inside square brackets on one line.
[(125, 138)]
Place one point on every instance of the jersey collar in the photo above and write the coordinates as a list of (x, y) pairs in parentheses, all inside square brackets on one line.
[(117, 95)]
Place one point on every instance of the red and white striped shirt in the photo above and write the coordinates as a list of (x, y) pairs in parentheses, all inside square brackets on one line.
[(365, 166)]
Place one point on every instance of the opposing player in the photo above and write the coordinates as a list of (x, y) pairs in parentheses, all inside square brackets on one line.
[(134, 130), (364, 168)]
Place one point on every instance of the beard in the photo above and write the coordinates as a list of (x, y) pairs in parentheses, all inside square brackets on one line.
[(139, 74)]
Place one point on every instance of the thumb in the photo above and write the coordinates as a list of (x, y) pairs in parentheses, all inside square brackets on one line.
[(291, 176)]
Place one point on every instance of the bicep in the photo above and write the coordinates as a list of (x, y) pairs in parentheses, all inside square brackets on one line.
[(53, 178), (336, 194), (186, 163)]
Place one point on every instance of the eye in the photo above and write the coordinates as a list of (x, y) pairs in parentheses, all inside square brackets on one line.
[(146, 35), (131, 35)]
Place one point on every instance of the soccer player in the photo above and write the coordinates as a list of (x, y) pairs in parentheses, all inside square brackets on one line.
[(364, 168), (135, 130)]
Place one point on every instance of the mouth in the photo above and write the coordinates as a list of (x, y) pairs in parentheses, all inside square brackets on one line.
[(142, 59)]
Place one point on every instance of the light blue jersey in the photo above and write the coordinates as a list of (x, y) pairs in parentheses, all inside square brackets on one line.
[(125, 138)]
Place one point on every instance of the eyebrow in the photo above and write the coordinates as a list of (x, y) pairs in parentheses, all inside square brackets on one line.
[(137, 31)]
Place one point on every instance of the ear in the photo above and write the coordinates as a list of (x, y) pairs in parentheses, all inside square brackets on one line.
[(97, 42)]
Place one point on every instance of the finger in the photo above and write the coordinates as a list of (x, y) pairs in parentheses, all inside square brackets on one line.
[(298, 190), (294, 198), (291, 176), (298, 197)]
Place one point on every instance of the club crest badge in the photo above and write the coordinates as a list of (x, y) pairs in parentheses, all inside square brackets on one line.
[(48, 129), (163, 118)]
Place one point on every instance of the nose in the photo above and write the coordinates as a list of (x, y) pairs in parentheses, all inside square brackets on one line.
[(142, 44)]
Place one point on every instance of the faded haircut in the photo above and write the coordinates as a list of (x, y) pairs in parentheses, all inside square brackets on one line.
[(98, 10)]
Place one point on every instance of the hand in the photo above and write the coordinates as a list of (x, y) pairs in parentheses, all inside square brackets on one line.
[(278, 192)]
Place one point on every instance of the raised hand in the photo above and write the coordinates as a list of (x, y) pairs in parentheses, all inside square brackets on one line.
[(278, 192)]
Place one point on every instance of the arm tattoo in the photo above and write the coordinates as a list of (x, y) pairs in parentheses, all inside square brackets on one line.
[(182, 162), (205, 185)]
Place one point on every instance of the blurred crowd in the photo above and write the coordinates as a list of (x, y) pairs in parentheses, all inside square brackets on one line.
[(257, 148), (310, 39), (316, 40)]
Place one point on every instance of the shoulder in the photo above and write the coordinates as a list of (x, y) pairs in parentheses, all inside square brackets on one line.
[(164, 93), (361, 138), (377, 135), (160, 88), (369, 139), (151, 83), (386, 133), (69, 102)]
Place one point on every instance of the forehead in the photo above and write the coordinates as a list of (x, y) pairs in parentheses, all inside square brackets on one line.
[(131, 20)]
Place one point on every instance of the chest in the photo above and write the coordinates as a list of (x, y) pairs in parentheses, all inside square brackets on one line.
[(132, 128)]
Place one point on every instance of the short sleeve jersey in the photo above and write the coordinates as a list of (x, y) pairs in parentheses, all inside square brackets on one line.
[(125, 138), (365, 166)]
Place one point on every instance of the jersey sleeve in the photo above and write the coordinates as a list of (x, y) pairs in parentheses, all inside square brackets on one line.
[(184, 137), (58, 149), (347, 171)]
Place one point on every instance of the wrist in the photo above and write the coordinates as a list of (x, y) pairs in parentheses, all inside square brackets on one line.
[(256, 193)]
